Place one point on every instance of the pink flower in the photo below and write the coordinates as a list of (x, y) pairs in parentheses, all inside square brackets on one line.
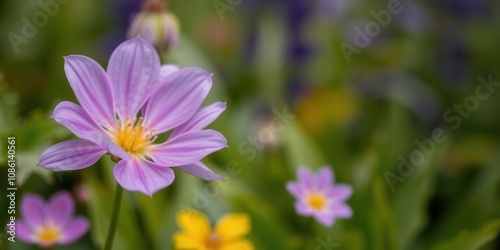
[(51, 223), (124, 109), (317, 196)]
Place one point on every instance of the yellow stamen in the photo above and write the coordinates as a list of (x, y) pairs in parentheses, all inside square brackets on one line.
[(49, 235), (317, 201), (133, 136)]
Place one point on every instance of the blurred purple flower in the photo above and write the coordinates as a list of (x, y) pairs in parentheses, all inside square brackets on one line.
[(50, 223), (467, 8), (415, 18), (317, 196), (124, 109), (333, 10), (453, 58), (299, 50)]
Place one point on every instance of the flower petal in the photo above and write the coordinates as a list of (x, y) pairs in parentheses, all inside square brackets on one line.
[(341, 192), (201, 170), (185, 241), (324, 178), (325, 218), (74, 230), (178, 98), (232, 227), (33, 211), (168, 69), (188, 148), (341, 210), (194, 224), (76, 119), (61, 208), (238, 245), (305, 177), (24, 232), (204, 117), (303, 209), (295, 189), (143, 176), (134, 69), (70, 155), (107, 144), (92, 88)]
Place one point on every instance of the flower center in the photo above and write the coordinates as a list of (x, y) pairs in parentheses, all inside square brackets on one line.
[(213, 242), (317, 201), (133, 136), (49, 235)]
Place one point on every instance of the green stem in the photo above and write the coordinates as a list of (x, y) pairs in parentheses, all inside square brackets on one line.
[(114, 217), (309, 233)]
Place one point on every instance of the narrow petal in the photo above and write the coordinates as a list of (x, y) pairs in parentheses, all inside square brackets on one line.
[(178, 98), (340, 192), (107, 144), (168, 69), (295, 189), (325, 218), (33, 211), (238, 245), (143, 176), (201, 170), (24, 232), (204, 117), (76, 119), (185, 241), (74, 230), (92, 88), (302, 208), (188, 148), (194, 224), (232, 227), (70, 155), (324, 178), (305, 177), (61, 208), (341, 210), (134, 69)]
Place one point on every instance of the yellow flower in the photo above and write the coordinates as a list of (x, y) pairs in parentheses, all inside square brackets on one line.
[(197, 233)]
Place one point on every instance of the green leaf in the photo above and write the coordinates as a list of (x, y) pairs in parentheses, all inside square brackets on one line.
[(299, 148), (467, 240), (410, 199)]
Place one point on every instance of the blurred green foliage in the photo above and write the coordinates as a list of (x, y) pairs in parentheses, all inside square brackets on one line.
[(357, 117)]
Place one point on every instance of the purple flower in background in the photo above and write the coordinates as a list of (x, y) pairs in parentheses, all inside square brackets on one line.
[(50, 223), (123, 110), (467, 8), (317, 196)]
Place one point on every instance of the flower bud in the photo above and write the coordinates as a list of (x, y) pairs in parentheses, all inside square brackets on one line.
[(156, 25)]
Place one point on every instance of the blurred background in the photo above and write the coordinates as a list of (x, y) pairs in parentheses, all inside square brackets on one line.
[(357, 85)]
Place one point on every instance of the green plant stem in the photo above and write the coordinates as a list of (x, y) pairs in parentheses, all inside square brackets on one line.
[(114, 217)]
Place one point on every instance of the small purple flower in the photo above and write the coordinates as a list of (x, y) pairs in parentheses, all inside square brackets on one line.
[(316, 195), (50, 223), (123, 110)]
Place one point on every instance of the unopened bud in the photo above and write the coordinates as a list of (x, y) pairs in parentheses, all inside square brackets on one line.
[(156, 25)]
